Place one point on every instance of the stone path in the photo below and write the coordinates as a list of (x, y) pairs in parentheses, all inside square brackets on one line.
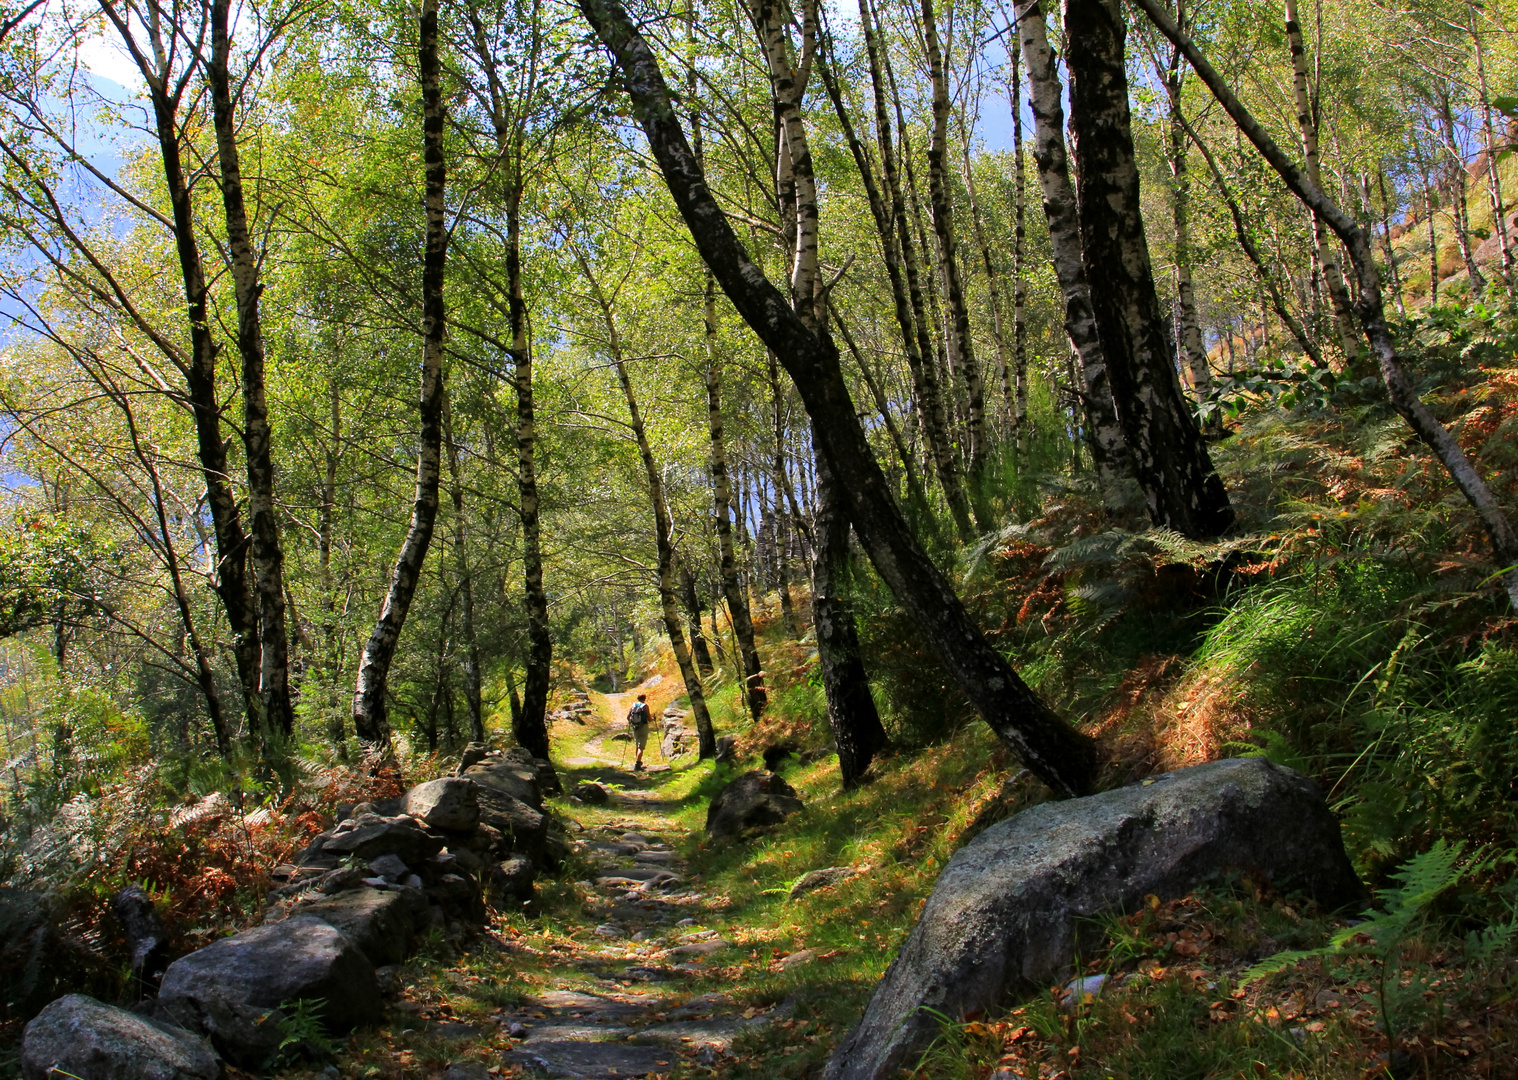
[(618, 1010)]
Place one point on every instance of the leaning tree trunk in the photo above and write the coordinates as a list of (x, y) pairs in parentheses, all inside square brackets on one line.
[(722, 499), (530, 725), (1170, 460), (1061, 756), (1104, 432), (369, 705), (857, 730), (1399, 388), (268, 555)]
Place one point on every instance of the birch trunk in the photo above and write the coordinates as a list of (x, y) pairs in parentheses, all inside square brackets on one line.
[(1457, 192), (855, 722), (530, 725), (267, 552), (754, 694), (1019, 252), (1251, 249), (927, 386), (1064, 758), (993, 290), (369, 705), (669, 605), (1193, 351), (1104, 433), (1386, 241), (1493, 176), (961, 343), (692, 598), (1170, 460), (1372, 313), (472, 693), (1350, 338), (885, 228), (232, 583)]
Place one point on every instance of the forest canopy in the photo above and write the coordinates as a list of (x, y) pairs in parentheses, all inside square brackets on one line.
[(372, 369)]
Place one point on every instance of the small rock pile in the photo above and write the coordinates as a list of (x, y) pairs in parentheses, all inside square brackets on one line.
[(678, 739), (352, 901), (579, 709)]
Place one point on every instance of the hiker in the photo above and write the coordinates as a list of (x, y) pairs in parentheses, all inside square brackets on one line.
[(637, 719)]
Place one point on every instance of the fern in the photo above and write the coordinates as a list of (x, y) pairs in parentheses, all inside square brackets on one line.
[(1379, 937)]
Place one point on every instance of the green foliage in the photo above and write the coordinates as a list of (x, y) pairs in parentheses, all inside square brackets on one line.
[(302, 1032), (48, 571)]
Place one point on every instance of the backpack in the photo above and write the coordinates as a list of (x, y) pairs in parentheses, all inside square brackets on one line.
[(638, 716)]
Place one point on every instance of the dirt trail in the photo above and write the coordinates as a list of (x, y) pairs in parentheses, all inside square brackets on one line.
[(617, 1007)]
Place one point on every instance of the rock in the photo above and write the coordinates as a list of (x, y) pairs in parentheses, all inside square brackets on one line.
[(592, 793), (274, 965), (775, 753), (448, 803), (379, 922), (144, 931), (1002, 918), (821, 879), (548, 777), (79, 1036), (754, 801), (528, 828), (466, 1070), (371, 836), (581, 1060), (700, 948), (511, 882), (797, 958), (726, 750), (508, 778), (349, 877), (473, 754), (389, 867)]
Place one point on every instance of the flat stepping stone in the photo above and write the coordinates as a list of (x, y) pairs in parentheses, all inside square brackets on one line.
[(639, 873), (700, 948), (573, 1003), (593, 1060), (700, 1007), (716, 1033), (590, 1032), (660, 858)]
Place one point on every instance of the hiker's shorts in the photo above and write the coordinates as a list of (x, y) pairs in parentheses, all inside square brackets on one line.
[(640, 735)]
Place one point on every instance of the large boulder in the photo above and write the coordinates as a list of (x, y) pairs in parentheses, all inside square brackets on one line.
[(380, 922), (1002, 918), (79, 1036), (276, 965), (527, 827), (370, 836), (449, 803), (753, 802), (509, 777)]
